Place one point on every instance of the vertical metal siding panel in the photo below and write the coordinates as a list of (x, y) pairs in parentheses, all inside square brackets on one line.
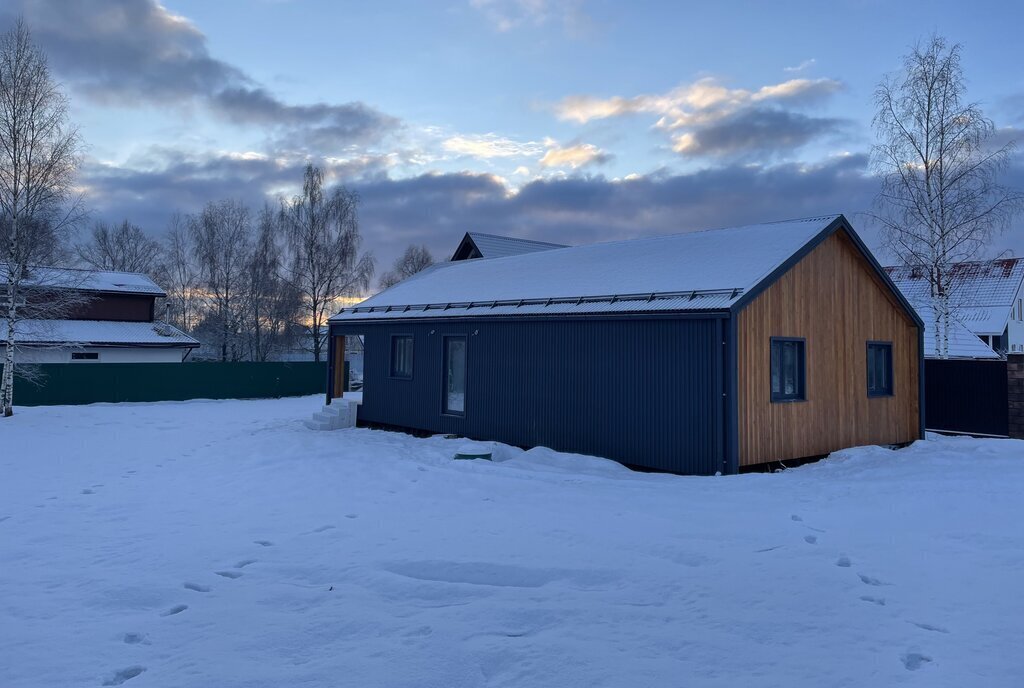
[(643, 392)]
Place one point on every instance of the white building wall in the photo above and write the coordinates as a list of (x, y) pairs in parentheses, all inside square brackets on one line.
[(1015, 326), (105, 354)]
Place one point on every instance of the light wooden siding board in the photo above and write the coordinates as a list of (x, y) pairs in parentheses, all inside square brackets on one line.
[(834, 300)]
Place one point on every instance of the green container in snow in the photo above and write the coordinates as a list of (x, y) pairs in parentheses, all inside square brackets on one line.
[(473, 451)]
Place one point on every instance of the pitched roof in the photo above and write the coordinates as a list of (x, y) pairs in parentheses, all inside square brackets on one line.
[(107, 281), (99, 332), (711, 270), (494, 246), (981, 292), (963, 343)]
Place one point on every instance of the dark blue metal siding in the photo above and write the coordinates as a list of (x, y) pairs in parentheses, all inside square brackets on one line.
[(646, 392)]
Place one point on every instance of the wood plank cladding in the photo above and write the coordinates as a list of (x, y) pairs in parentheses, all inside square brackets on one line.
[(338, 383), (834, 300)]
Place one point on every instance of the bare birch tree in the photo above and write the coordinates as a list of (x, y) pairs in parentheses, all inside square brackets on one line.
[(124, 248), (221, 239), (271, 303), (325, 264), (178, 274), (415, 259), (38, 157), (940, 201)]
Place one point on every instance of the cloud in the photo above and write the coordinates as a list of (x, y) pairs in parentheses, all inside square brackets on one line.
[(707, 118), (572, 156), (806, 64), (435, 208), (130, 51), (508, 15), (756, 130), (487, 146)]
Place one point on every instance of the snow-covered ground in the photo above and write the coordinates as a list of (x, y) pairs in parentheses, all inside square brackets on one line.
[(224, 544)]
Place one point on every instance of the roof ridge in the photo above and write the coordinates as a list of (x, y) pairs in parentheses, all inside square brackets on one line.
[(511, 238)]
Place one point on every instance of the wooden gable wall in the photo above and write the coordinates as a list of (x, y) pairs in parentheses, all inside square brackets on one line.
[(834, 300)]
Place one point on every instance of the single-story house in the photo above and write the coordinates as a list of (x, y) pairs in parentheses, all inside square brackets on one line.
[(693, 353), (479, 245), (113, 322), (987, 296)]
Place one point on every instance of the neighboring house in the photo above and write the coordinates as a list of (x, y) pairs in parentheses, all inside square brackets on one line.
[(694, 353), (963, 344), (113, 324), (479, 245), (986, 296)]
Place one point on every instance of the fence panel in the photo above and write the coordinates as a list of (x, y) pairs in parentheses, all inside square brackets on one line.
[(87, 383), (966, 396)]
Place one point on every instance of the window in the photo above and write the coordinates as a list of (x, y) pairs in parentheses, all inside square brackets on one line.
[(788, 369), (401, 356), (454, 400), (84, 356), (879, 369)]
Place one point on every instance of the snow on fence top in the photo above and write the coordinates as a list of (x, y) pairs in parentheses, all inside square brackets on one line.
[(707, 270), (90, 280)]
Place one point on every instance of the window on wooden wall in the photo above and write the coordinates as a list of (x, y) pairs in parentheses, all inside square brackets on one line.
[(788, 369), (84, 356), (401, 356), (879, 369)]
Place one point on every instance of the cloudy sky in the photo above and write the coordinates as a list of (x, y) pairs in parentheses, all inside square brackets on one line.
[(573, 121)]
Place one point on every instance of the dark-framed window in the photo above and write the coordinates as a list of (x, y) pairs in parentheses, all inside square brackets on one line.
[(453, 399), (788, 369), (879, 369), (85, 356), (401, 356)]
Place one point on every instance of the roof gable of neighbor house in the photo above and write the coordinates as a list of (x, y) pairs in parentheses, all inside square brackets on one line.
[(97, 281), (982, 293), (480, 245), (712, 270)]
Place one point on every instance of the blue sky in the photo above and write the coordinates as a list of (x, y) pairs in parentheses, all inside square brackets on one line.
[(571, 121)]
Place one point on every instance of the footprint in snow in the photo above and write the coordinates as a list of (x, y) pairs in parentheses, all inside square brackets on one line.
[(351, 515), (3, 518), (914, 660), (322, 529), (123, 675), (196, 587), (176, 609), (843, 562), (929, 627), (133, 638), (880, 601), (263, 543), (868, 580), (88, 491), (811, 539), (229, 574), (245, 562), (796, 518)]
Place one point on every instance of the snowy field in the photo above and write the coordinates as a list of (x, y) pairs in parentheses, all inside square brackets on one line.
[(223, 544)]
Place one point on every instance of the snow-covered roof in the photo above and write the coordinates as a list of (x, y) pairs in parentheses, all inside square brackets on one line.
[(706, 270), (494, 246), (91, 280), (981, 292), (99, 332), (963, 343)]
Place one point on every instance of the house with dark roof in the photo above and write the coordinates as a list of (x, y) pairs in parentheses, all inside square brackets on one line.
[(480, 245), (695, 353), (986, 297), (113, 321)]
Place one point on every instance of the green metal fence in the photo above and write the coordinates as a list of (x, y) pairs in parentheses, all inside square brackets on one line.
[(87, 383)]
